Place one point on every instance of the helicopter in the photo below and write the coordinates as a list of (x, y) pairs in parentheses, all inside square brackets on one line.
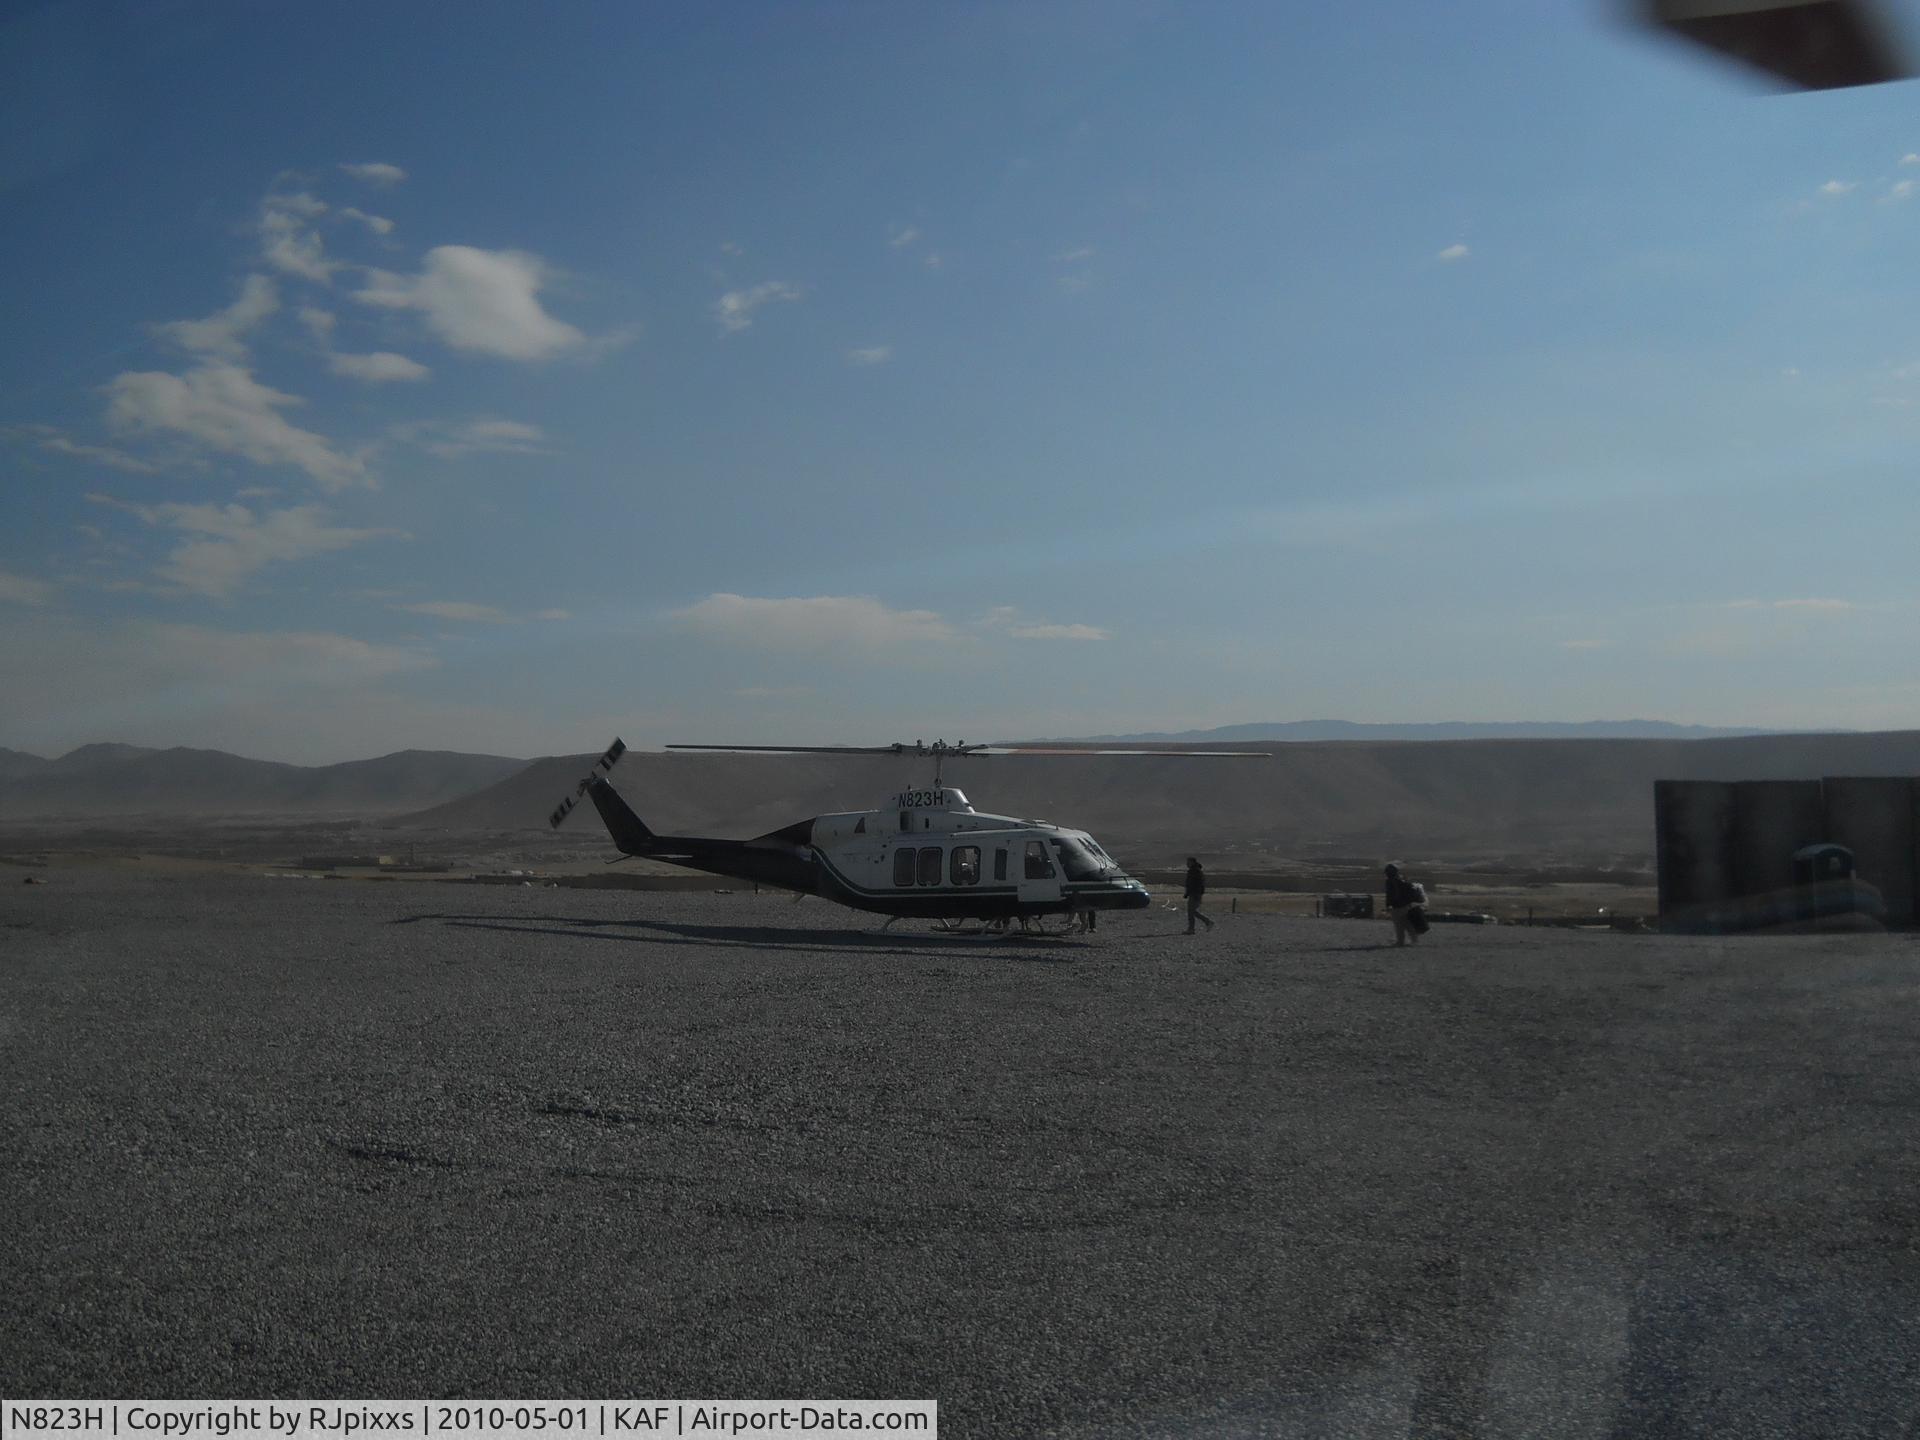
[(924, 853)]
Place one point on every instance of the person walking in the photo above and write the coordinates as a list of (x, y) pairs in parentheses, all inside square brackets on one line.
[(1404, 902), (1196, 888)]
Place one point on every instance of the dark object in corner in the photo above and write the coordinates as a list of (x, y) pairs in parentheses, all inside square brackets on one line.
[(1813, 44)]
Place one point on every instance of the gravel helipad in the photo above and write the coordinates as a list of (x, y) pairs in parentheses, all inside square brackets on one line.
[(268, 1137)]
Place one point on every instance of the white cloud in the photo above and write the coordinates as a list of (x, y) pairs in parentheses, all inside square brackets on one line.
[(729, 247), (551, 615), (380, 365), (481, 300), (233, 541), (1910, 159), (1074, 256), (934, 262), (289, 242), (219, 334), (453, 439), (734, 310), (222, 407), (900, 236), (1839, 187), (839, 624), (1452, 254), (376, 172), (378, 224), (1902, 189), (20, 590), (870, 355)]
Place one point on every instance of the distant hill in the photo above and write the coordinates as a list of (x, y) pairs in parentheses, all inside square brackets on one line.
[(104, 780), (1355, 798), (15, 763), (1307, 730)]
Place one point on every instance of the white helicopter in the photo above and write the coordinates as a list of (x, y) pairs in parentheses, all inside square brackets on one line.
[(924, 854)]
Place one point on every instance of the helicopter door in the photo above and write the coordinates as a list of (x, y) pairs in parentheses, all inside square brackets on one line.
[(1039, 872)]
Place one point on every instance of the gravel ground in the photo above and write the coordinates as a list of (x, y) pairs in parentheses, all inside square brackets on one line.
[(267, 1137)]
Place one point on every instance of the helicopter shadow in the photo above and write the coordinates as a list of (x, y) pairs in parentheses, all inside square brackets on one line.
[(756, 937)]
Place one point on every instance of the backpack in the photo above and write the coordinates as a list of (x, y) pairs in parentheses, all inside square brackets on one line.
[(1419, 892)]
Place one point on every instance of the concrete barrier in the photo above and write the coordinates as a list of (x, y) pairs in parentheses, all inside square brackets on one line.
[(1874, 818), (1693, 831), (1771, 820)]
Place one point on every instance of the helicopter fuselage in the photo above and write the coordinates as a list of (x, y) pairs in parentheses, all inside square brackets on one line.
[(927, 854)]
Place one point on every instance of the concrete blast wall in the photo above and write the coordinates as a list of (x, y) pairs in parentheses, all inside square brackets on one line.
[(1874, 818), (1693, 826), (1771, 820)]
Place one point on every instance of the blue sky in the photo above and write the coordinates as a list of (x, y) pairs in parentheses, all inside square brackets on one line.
[(505, 377)]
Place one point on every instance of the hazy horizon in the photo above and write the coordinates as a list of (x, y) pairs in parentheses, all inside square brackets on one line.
[(1589, 729)]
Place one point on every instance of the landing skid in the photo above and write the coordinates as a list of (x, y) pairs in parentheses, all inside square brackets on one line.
[(1025, 925)]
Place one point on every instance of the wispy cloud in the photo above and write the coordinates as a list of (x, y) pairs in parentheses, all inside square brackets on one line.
[(1837, 188), (220, 333), (471, 613), (1817, 606), (221, 407), (836, 624), (320, 323), (457, 610), (233, 542), (870, 355), (381, 365), (49, 437), (484, 301), (455, 439), (901, 236), (375, 172), (1075, 255), (735, 309), (288, 240), (1453, 254), (378, 224), (1007, 620), (20, 590)]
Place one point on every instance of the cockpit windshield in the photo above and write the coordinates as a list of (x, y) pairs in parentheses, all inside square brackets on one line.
[(1081, 858)]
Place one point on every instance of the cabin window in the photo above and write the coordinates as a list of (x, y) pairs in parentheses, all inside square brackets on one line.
[(1000, 864), (1039, 867), (903, 865), (906, 820), (860, 826), (930, 865), (965, 868)]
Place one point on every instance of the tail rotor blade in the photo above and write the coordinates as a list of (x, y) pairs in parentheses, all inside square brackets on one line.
[(602, 766)]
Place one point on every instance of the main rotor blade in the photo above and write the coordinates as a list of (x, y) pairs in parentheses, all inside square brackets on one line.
[(1076, 750), (973, 750), (805, 749)]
